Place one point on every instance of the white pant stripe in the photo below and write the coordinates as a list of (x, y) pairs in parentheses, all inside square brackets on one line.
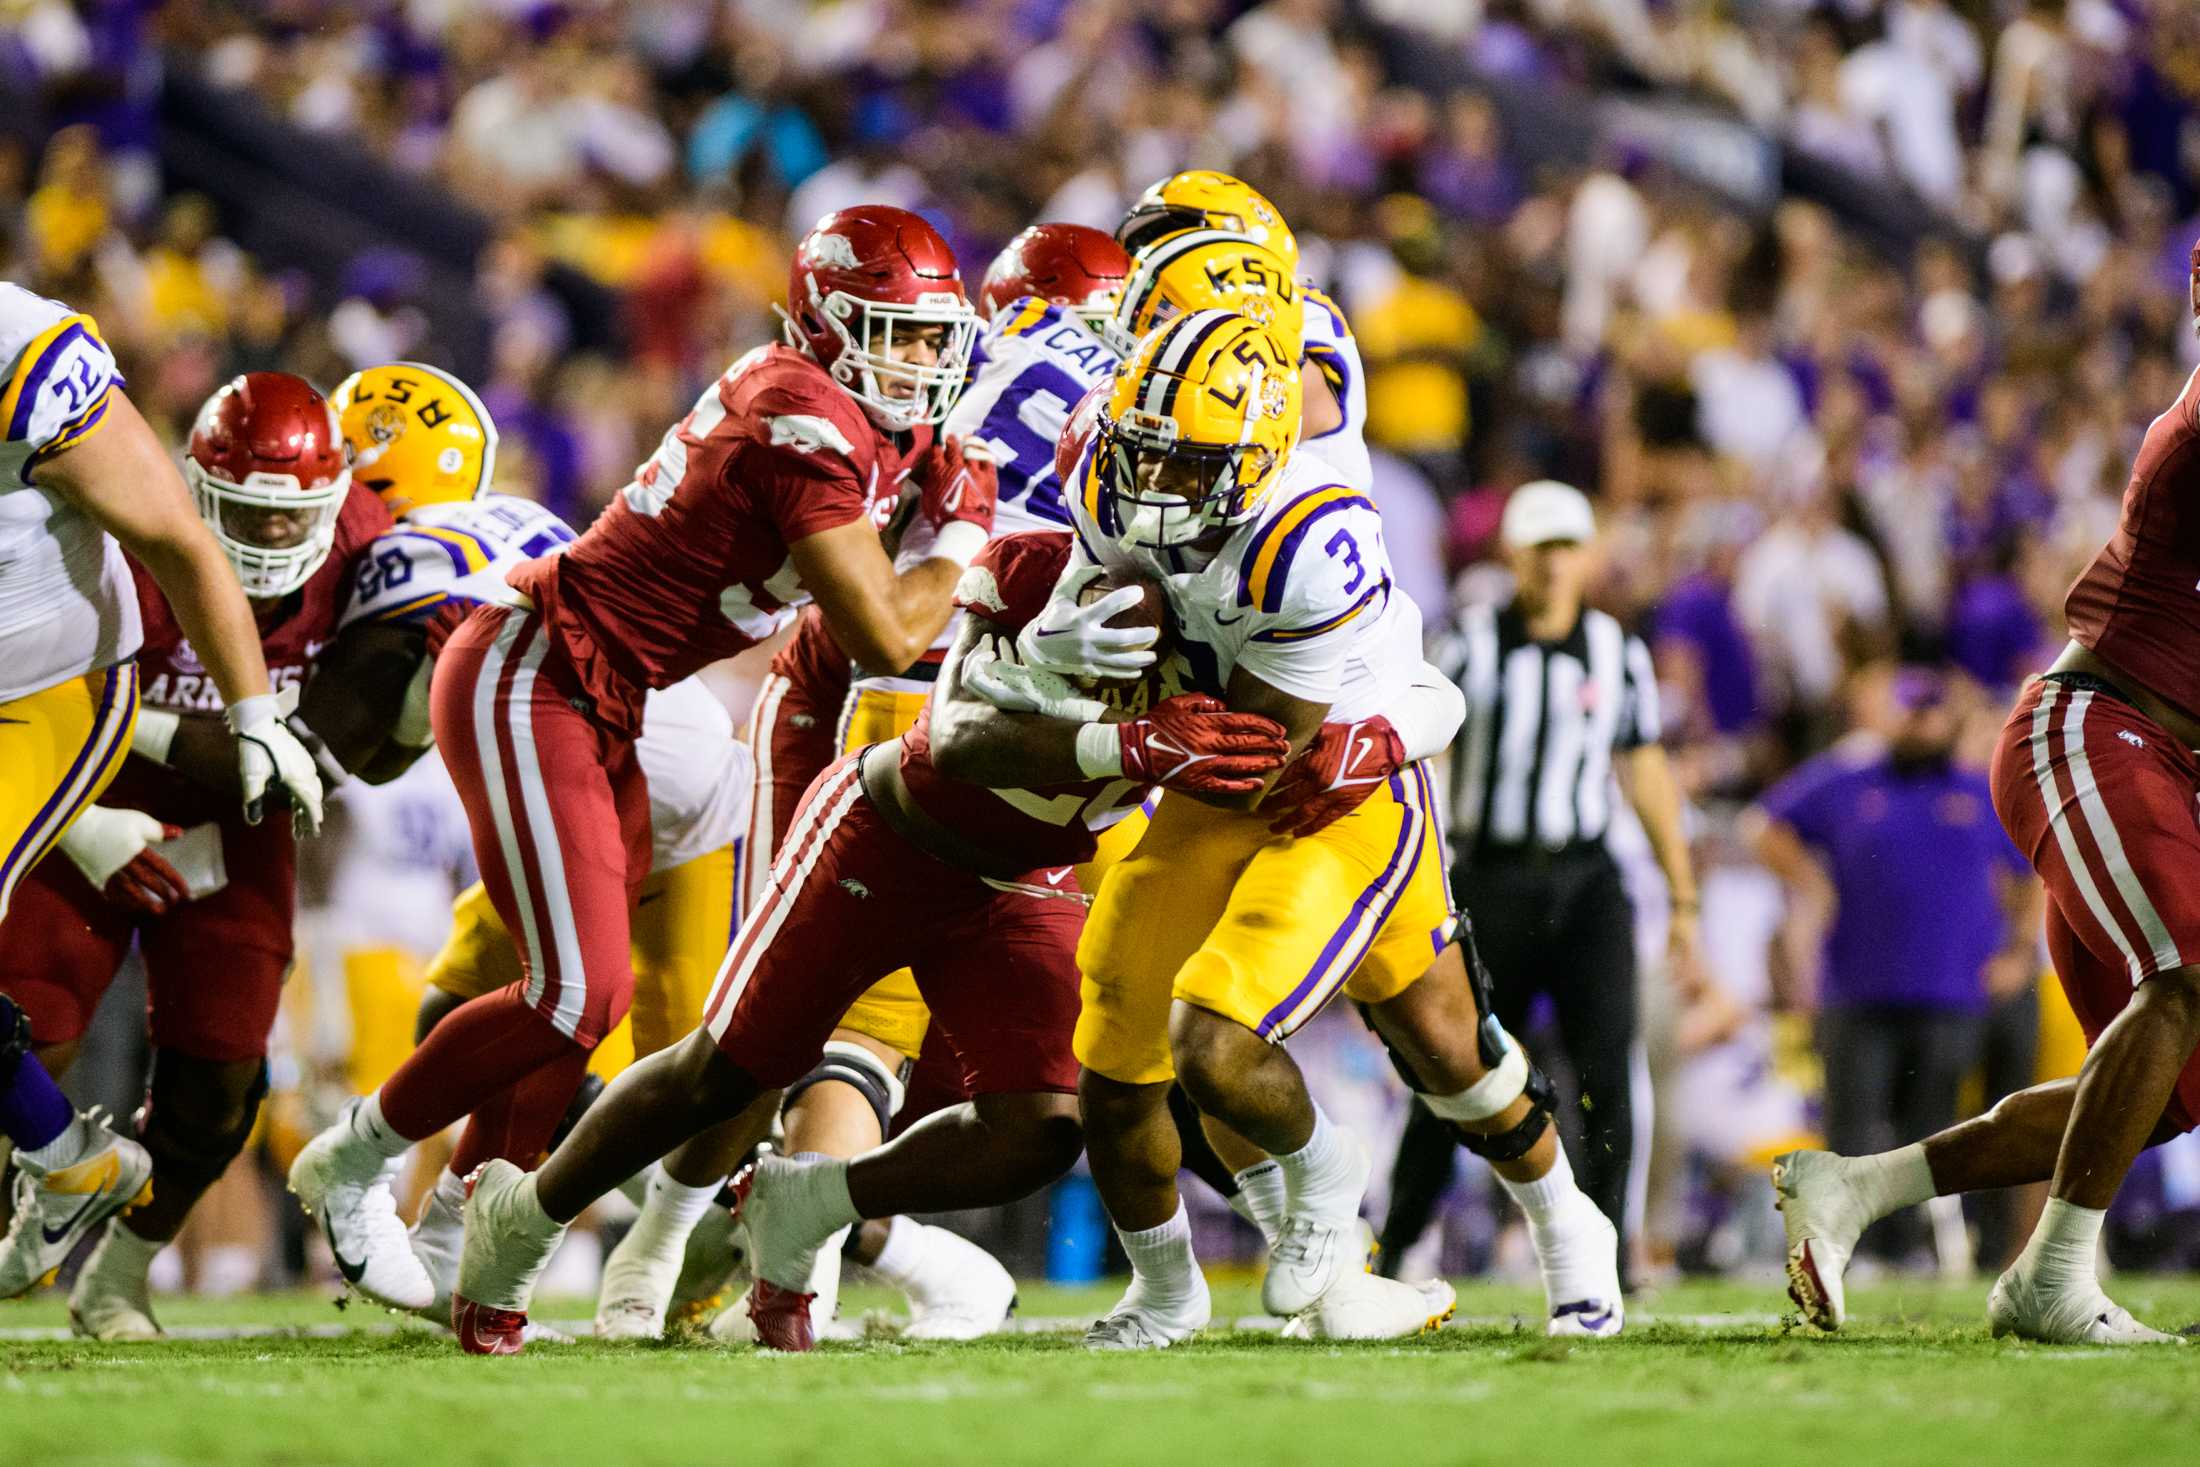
[(500, 809), (543, 830), (757, 854), (805, 843), (1369, 922), (2097, 819), (2042, 721)]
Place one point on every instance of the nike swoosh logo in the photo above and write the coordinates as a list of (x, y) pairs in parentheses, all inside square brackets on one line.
[(55, 1235), (648, 896), (1230, 621), (1056, 878), (352, 1272), (14, 720)]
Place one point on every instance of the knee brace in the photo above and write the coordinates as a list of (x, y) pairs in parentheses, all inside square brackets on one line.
[(1513, 1076), (189, 1123), (852, 1064), (15, 1037), (1490, 1037)]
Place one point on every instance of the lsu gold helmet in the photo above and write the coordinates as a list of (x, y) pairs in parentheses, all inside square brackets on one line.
[(1203, 270), (418, 435), (1205, 199), (1196, 431)]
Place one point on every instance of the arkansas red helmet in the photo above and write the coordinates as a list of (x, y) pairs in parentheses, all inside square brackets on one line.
[(268, 467), (866, 285), (1073, 265)]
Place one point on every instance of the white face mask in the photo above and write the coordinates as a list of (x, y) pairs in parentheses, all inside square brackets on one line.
[(232, 511), (898, 395)]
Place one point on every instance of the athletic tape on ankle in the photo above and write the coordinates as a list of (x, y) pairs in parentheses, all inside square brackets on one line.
[(1489, 1095)]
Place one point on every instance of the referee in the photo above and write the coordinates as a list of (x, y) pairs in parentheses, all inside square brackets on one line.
[(1559, 699)]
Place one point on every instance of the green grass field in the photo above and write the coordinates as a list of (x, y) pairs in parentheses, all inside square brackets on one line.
[(1915, 1380)]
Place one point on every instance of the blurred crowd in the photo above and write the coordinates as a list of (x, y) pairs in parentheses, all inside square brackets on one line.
[(1812, 456)]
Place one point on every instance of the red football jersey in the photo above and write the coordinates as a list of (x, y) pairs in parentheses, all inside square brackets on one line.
[(2138, 604), (813, 662), (690, 564), (293, 631), (1054, 825)]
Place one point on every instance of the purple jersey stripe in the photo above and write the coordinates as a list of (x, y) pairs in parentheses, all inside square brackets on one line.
[(1408, 828), (19, 426), (1279, 570)]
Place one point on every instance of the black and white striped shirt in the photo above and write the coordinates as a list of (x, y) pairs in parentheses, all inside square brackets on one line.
[(1532, 768)]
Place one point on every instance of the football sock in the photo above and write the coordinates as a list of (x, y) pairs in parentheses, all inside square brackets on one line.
[(2060, 1255), (816, 1195), (1260, 1197), (1165, 1274), (122, 1264), (902, 1258), (1891, 1180), (77, 1138), (1323, 1176), (372, 1131), (668, 1216), (34, 1114), (1545, 1197)]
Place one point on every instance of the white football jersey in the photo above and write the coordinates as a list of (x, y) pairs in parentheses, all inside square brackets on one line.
[(1301, 595), (1330, 350), (1032, 364), (699, 774), (67, 604)]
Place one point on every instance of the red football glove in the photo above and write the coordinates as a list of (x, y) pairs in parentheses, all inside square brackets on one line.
[(1194, 743), (1340, 768), (957, 483)]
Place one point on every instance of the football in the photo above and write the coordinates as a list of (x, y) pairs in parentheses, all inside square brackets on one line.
[(1152, 610)]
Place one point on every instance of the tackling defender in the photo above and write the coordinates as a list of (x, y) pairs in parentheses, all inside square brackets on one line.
[(2095, 779), (768, 493)]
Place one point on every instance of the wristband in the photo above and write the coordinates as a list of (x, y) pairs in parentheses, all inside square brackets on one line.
[(154, 732), (1100, 751), (960, 541)]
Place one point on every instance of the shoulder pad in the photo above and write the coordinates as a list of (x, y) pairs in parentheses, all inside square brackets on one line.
[(807, 433)]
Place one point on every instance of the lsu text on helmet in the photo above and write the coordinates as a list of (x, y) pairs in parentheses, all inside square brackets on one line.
[(417, 434)]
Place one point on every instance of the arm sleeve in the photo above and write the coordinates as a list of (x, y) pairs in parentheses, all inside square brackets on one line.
[(1428, 713), (1640, 722)]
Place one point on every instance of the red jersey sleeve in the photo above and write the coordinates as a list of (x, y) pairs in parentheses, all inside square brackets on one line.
[(1009, 581), (800, 462)]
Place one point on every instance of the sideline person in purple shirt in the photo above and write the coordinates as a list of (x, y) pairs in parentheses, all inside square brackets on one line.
[(1928, 915)]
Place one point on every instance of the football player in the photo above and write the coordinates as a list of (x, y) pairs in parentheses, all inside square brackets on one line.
[(1229, 928), (769, 493), (424, 442), (79, 472), (1035, 359), (211, 913)]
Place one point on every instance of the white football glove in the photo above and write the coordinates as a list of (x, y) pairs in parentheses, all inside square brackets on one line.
[(1077, 641), (1015, 689), (104, 839), (267, 751)]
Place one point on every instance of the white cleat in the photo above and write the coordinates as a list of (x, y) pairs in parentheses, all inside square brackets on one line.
[(345, 1183), (969, 1297), (1366, 1306), (1133, 1324), (733, 1325), (636, 1292), (715, 1267), (508, 1244), (437, 1238), (782, 1250), (1579, 1258), (114, 1305), (1312, 1252), (2018, 1306), (56, 1209), (1824, 1217)]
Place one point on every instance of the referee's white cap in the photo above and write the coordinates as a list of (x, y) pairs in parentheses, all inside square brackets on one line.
[(1544, 511)]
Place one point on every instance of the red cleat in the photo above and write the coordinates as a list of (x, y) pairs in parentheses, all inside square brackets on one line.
[(482, 1330), (781, 1317)]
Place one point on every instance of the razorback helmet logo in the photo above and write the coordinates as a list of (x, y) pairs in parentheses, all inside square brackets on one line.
[(831, 250)]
